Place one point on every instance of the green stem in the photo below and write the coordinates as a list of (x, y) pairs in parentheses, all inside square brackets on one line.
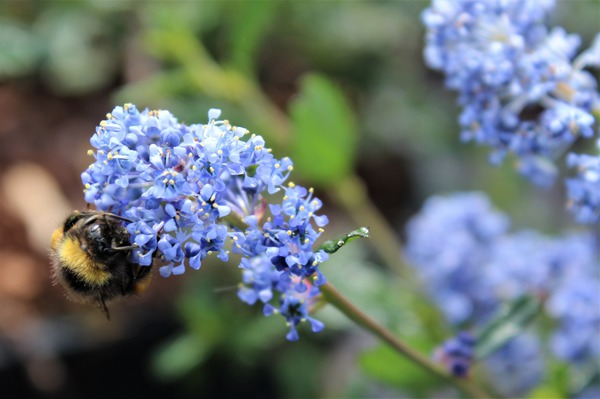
[(335, 298), (351, 195)]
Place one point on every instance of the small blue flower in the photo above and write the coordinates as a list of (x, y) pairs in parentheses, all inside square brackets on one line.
[(456, 354)]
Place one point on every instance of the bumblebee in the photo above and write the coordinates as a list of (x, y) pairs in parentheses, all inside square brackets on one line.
[(91, 259)]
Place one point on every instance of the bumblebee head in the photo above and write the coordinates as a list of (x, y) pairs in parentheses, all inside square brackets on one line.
[(59, 233)]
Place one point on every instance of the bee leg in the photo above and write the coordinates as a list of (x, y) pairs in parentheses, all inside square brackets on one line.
[(103, 307), (123, 248)]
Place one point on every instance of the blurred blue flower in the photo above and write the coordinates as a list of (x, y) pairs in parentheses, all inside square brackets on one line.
[(521, 89), (448, 243), (470, 264), (456, 354), (584, 189), (189, 189), (517, 367), (576, 306)]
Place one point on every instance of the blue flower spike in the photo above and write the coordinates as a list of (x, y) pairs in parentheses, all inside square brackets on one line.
[(523, 89), (190, 189)]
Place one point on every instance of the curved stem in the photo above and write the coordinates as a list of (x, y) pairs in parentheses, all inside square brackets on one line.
[(335, 298)]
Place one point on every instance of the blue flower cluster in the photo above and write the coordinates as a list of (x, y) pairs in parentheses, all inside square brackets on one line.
[(448, 242), (456, 354), (584, 189), (517, 367), (470, 263), (522, 89), (191, 191)]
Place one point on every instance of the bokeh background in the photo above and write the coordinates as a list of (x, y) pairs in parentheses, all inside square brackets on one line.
[(386, 126)]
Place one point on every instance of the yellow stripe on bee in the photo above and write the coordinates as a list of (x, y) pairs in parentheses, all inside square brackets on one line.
[(74, 258), (56, 239)]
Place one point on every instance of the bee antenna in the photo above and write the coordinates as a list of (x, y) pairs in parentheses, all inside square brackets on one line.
[(112, 215)]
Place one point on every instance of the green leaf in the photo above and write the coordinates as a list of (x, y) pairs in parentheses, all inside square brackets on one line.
[(82, 53), (331, 246), (178, 357), (386, 365), (510, 321), (325, 131), (20, 50)]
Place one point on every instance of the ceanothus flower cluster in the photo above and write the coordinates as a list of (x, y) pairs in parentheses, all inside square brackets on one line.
[(470, 264), (522, 89), (195, 190), (448, 242), (584, 189)]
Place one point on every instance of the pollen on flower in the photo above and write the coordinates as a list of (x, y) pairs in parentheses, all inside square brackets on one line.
[(266, 235), (301, 208), (289, 232), (90, 152), (165, 180), (277, 166), (311, 190), (109, 116), (87, 185), (290, 168), (103, 124), (258, 147), (306, 240), (220, 152), (321, 230), (110, 156), (291, 185), (154, 112), (211, 169)]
